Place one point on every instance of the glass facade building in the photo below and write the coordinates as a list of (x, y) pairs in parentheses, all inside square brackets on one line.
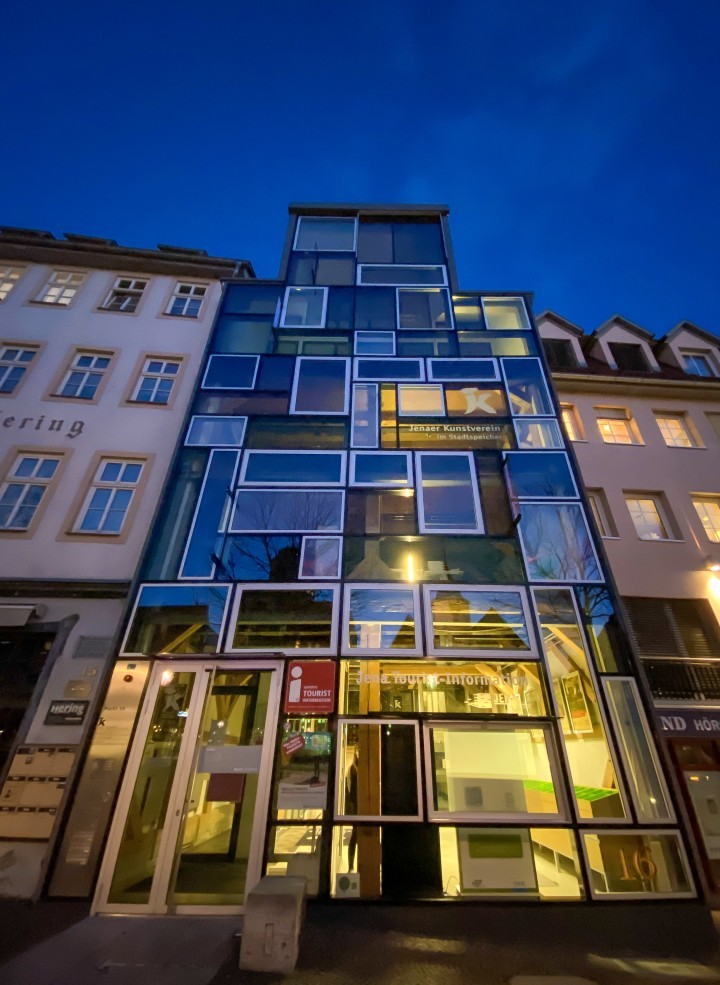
[(373, 643)]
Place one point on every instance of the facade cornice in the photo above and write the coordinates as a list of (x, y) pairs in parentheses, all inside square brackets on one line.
[(598, 383)]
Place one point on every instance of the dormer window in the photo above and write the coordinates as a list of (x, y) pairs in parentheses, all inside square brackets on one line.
[(560, 355), (629, 356), (698, 363)]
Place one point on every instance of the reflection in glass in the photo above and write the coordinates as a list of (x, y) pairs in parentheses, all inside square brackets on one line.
[(170, 537), (320, 386), (356, 862), (287, 468), (434, 558), (489, 769), (426, 343), (294, 850), (174, 619), (137, 855), (424, 308), (365, 415), (646, 783), (205, 539), (380, 619), (244, 334), (556, 543), (374, 343), (250, 299), (318, 233), (260, 558), (285, 510), (593, 773), (377, 770), (389, 369), (213, 847), (380, 469), (527, 389), (292, 619), (540, 475), (474, 619), (381, 512), (624, 862), (309, 268), (607, 638), (216, 431), (304, 307), (230, 372), (448, 491), (443, 688), (300, 783), (321, 557), (538, 434)]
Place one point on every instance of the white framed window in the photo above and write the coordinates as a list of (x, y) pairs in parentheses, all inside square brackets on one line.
[(186, 300), (676, 430), (381, 620), (287, 511), (390, 274), (61, 287), (447, 491), (320, 557), (230, 373), (388, 369), (374, 343), (637, 864), (699, 362), (462, 370), (381, 468), (9, 276), (505, 314), (527, 387), (14, 363), (617, 427), (708, 510), (492, 620), (556, 543), (108, 500), (424, 308), (216, 431), (156, 381), (304, 307), (650, 517), (571, 422), (321, 385), (177, 619), (540, 475), (300, 620), (421, 400), (601, 512), (125, 294), (84, 376), (365, 415), (293, 468), (22, 491), (538, 433), (331, 234)]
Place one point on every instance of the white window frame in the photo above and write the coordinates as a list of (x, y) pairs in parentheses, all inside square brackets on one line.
[(296, 379), (532, 654), (324, 537), (436, 387), (294, 530), (9, 279), (608, 415), (353, 441), (61, 287), (147, 374), (389, 376), (386, 333), (398, 268), (679, 418), (116, 486), (295, 288), (133, 292), (578, 506), (601, 513), (435, 366), (507, 457), (7, 365), (186, 298), (214, 417), (637, 496), (350, 819), (222, 523), (354, 455), (706, 356), (527, 327), (27, 481), (480, 527), (552, 422), (543, 377), (595, 894), (570, 421), (342, 455), (424, 328), (206, 386), (362, 653), (485, 817), (703, 500), (304, 651), (326, 218), (206, 585), (86, 372)]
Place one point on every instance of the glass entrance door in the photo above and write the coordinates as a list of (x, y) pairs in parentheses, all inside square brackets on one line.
[(191, 816)]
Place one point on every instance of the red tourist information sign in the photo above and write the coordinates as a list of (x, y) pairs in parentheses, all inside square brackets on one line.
[(310, 687)]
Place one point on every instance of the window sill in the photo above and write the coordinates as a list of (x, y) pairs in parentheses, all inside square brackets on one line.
[(663, 540)]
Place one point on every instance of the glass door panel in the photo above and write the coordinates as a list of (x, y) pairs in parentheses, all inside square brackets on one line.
[(213, 851), (137, 856)]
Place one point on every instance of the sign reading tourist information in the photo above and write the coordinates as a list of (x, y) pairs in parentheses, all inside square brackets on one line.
[(310, 687), (689, 723)]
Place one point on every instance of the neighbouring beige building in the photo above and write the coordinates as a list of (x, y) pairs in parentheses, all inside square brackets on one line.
[(643, 416), (100, 345)]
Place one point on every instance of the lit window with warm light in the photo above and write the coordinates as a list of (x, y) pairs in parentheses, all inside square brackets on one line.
[(708, 509), (617, 427), (675, 431)]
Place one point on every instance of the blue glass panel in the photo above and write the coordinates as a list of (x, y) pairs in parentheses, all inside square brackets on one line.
[(556, 543), (173, 619), (230, 372), (540, 475), (291, 467), (205, 536)]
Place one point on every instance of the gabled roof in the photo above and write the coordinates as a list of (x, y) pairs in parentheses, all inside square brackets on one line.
[(562, 322), (687, 326), (641, 333)]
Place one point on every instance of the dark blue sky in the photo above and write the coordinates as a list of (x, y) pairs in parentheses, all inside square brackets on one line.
[(577, 143)]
